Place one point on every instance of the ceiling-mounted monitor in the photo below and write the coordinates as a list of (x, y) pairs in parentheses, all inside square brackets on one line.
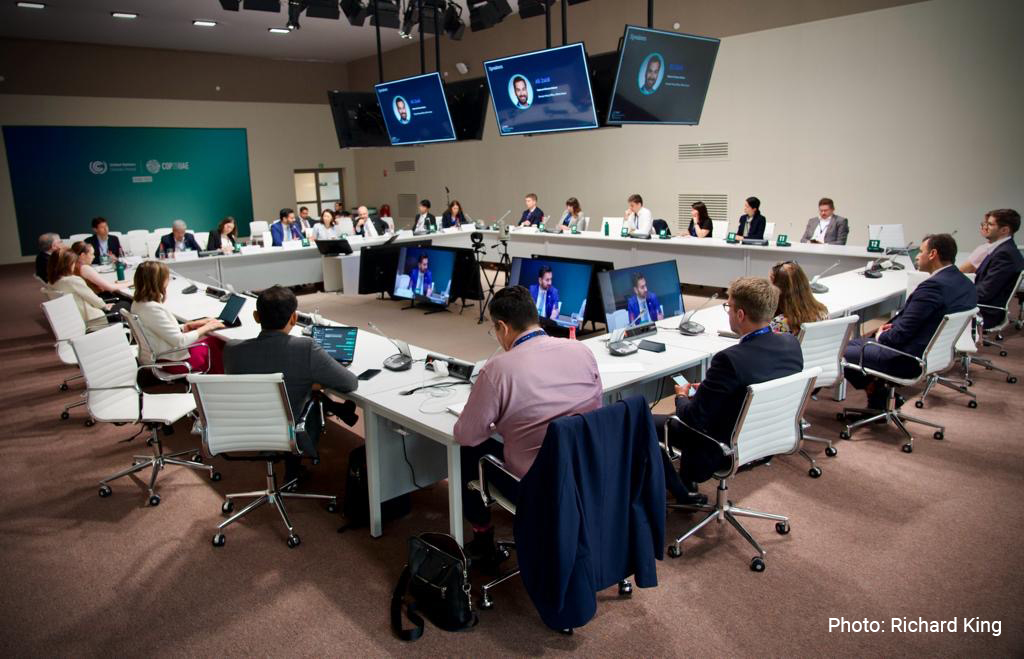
[(663, 77), (415, 110)]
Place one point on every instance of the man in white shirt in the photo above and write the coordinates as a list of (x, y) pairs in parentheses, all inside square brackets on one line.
[(425, 222), (365, 226), (637, 218), (828, 228)]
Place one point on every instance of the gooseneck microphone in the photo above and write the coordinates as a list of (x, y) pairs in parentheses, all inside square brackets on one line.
[(227, 290), (402, 360), (688, 326), (822, 288)]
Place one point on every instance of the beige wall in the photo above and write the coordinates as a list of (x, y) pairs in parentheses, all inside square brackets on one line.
[(910, 114), (282, 138)]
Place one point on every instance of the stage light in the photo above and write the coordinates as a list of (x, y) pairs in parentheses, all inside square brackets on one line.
[(386, 12), (230, 5), (530, 8), (487, 13), (295, 8), (355, 11), (454, 26), (323, 9), (273, 6)]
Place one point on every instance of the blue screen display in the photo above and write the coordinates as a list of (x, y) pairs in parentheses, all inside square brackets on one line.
[(646, 292), (415, 110), (558, 288), (425, 273), (544, 91), (663, 77)]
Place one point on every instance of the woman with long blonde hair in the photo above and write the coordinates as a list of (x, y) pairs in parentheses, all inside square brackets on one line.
[(797, 304)]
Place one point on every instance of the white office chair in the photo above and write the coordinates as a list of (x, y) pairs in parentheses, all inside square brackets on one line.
[(769, 231), (151, 359), (345, 226), (153, 243), (256, 230), (996, 332), (822, 344), (162, 231), (769, 424), (201, 239), (138, 243), (113, 395), (583, 224), (75, 237), (138, 232), (390, 221), (888, 235), (938, 356), (250, 414), (267, 239), (618, 320), (720, 229)]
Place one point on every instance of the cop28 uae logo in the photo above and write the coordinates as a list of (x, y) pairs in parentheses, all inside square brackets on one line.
[(98, 167), (152, 166)]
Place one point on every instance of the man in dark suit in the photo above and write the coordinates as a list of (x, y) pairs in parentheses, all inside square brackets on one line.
[(178, 240), (303, 362), (544, 294), (425, 221), (997, 274), (946, 291), (828, 228), (103, 244), (533, 215), (760, 356), (48, 244)]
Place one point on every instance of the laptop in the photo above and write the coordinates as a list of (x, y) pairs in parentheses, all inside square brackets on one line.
[(339, 342), (229, 314), (334, 247)]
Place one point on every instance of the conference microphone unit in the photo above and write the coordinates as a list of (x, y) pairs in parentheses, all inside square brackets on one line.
[(689, 327), (225, 291), (874, 269), (817, 287), (402, 360)]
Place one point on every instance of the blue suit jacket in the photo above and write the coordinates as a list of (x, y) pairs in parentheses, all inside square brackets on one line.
[(947, 291), (414, 278), (550, 302), (167, 243), (633, 306), (756, 228), (277, 232), (534, 217), (995, 279), (591, 510)]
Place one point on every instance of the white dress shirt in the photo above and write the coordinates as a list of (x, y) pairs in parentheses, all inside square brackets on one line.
[(369, 229), (640, 222)]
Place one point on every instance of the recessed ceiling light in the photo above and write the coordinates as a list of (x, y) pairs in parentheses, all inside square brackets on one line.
[(123, 14), (279, 30), (200, 23), (31, 5)]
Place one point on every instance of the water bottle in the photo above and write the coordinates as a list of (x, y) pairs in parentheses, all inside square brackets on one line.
[(315, 316), (572, 332), (120, 270), (606, 228)]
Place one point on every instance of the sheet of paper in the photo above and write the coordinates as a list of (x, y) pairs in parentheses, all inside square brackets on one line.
[(620, 367)]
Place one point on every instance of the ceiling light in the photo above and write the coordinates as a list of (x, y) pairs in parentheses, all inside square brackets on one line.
[(202, 23), (279, 30), (487, 13), (31, 5), (124, 14)]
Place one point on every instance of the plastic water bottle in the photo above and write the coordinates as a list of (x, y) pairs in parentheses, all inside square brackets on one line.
[(120, 270), (606, 228)]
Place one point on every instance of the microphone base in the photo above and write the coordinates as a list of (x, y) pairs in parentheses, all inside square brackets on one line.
[(873, 274), (690, 328), (819, 288), (398, 362), (897, 266)]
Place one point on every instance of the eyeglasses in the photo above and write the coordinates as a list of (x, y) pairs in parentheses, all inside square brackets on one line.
[(726, 306)]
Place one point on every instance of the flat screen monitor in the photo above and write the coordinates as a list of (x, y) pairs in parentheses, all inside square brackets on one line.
[(595, 304), (543, 91), (415, 110), (559, 289), (338, 342), (640, 294), (467, 102), (425, 274), (377, 267), (663, 77), (357, 119)]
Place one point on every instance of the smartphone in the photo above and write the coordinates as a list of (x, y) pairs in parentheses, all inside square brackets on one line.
[(682, 382), (368, 373)]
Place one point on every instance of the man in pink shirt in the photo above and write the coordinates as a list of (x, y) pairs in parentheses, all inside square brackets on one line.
[(536, 380)]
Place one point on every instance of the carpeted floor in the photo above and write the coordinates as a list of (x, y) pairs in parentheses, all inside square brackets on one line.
[(934, 534)]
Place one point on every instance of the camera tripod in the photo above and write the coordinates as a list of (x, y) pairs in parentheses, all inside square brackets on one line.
[(504, 266)]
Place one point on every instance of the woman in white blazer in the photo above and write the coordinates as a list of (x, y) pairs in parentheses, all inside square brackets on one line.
[(170, 340), (61, 276)]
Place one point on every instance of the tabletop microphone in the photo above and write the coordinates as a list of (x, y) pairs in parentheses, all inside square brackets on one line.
[(690, 328), (227, 290), (899, 251), (402, 360), (822, 288), (502, 228)]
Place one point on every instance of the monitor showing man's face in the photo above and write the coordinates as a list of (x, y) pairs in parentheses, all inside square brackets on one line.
[(519, 86), (652, 73), (424, 262), (403, 112), (640, 288), (544, 280)]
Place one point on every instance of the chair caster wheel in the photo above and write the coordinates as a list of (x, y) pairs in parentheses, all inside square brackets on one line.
[(814, 472), (64, 416), (939, 435), (332, 507), (1012, 379), (90, 422), (625, 588), (908, 448), (831, 452), (840, 416), (970, 383), (198, 459), (919, 404), (674, 551), (105, 491), (293, 541), (227, 507), (757, 564), (972, 403), (486, 603), (1003, 353), (63, 386), (215, 476), (154, 500), (844, 434), (219, 540), (566, 632), (782, 528)]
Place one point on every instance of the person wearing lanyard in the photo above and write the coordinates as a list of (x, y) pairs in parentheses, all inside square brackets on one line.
[(714, 406), (538, 378), (828, 228)]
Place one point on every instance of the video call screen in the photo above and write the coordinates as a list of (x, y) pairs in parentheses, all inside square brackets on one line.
[(541, 92), (640, 294), (663, 77), (425, 273), (559, 289), (415, 110)]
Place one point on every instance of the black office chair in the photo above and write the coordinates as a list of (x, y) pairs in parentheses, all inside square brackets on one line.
[(661, 225)]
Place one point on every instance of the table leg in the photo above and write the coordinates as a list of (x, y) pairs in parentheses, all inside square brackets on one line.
[(455, 522), (371, 423)]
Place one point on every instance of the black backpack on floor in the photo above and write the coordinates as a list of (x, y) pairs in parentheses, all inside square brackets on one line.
[(357, 495)]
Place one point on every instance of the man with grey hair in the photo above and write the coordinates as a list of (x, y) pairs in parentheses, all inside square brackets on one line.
[(48, 244), (368, 226), (178, 240), (713, 406)]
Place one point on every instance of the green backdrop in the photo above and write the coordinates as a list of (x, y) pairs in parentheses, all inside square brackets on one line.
[(137, 178)]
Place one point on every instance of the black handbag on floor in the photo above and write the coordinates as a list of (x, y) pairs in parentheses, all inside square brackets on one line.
[(437, 577), (356, 506)]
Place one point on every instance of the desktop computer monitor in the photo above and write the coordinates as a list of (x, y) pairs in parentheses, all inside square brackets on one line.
[(424, 274), (558, 288), (640, 294), (595, 304)]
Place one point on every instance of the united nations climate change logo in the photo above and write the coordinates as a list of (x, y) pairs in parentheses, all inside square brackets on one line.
[(152, 166), (98, 167)]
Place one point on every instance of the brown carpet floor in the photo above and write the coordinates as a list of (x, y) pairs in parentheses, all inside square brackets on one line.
[(883, 534)]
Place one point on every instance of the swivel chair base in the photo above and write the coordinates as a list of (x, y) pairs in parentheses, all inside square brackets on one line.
[(959, 386), (891, 414), (724, 510), (275, 496), (157, 462)]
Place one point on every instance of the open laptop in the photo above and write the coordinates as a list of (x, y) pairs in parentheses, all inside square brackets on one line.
[(229, 314), (334, 247), (339, 342)]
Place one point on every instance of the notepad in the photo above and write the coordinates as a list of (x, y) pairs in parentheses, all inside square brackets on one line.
[(622, 367)]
